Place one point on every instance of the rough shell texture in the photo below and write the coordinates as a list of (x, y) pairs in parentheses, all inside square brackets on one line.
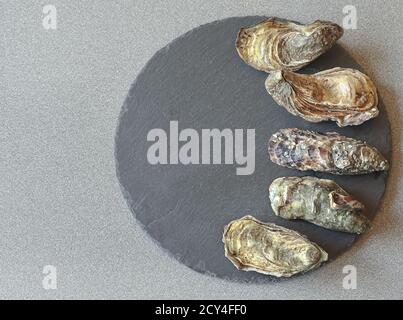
[(269, 249), (276, 44), (346, 96), (325, 152), (319, 201)]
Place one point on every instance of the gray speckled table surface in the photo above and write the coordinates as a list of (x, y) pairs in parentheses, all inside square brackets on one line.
[(61, 92)]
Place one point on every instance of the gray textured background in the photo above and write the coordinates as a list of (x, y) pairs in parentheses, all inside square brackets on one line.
[(60, 203)]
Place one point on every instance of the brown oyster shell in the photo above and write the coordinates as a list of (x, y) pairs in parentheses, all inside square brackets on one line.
[(319, 201), (276, 44), (266, 248), (324, 152), (344, 95)]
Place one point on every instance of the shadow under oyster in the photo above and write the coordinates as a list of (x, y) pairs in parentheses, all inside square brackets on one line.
[(277, 44), (344, 95), (266, 248)]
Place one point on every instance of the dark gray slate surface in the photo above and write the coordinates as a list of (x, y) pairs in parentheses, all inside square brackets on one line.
[(200, 81)]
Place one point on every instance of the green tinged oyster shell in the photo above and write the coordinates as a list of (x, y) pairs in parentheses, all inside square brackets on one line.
[(319, 201)]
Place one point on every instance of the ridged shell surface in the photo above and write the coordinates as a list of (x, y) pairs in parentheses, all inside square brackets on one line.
[(276, 44), (324, 152), (266, 248), (343, 95), (319, 201)]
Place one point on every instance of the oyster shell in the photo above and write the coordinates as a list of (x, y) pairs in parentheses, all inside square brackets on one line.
[(266, 248), (276, 44), (346, 96), (325, 152), (320, 201)]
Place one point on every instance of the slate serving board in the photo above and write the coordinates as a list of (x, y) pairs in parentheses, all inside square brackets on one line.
[(199, 81)]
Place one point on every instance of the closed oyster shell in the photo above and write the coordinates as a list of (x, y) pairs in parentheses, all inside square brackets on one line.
[(320, 201), (276, 44), (266, 248), (325, 152), (344, 95)]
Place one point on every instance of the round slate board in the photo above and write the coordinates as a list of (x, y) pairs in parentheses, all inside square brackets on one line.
[(199, 81)]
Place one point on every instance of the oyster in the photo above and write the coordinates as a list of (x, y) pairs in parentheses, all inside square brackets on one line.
[(346, 96), (276, 44), (326, 152), (319, 201), (266, 248)]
